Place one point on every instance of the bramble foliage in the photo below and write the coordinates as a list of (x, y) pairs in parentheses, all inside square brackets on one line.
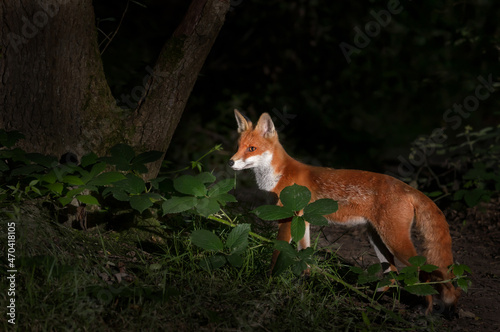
[(95, 179)]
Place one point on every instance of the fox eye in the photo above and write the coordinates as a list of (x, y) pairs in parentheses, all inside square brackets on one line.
[(252, 149)]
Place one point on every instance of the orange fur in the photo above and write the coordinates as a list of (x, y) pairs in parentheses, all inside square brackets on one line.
[(388, 206)]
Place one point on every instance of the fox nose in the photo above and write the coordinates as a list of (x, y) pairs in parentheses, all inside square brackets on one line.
[(230, 163)]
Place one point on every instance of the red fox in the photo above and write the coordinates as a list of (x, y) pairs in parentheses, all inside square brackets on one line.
[(389, 207)]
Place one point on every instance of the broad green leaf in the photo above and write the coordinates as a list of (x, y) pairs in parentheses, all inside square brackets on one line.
[(221, 187), (87, 199), (178, 204), (205, 177), (298, 228), (213, 263), (285, 247), (131, 184), (321, 207), (88, 159), (282, 263), (428, 268), (74, 192), (73, 180), (55, 187), (106, 178), (237, 240), (295, 197), (460, 269), (118, 193), (417, 260), (464, 284), (65, 200), (235, 260), (27, 170), (123, 151), (374, 269), (272, 212), (207, 206), (40, 159), (421, 289), (140, 202), (299, 267), (50, 177), (316, 220), (206, 240), (224, 198), (189, 185), (147, 157)]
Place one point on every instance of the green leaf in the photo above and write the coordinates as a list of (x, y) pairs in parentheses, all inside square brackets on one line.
[(460, 269), (131, 184), (285, 248), (428, 268), (222, 187), (464, 284), (73, 180), (147, 157), (237, 240), (295, 197), (206, 177), (321, 207), (298, 228), (374, 269), (282, 264), (213, 263), (40, 159), (316, 220), (55, 187), (106, 178), (65, 200), (27, 170), (87, 199), (74, 192), (88, 159), (206, 240), (140, 202), (421, 289), (299, 267), (224, 198), (207, 206), (178, 204), (123, 151), (118, 193), (189, 185), (235, 260), (417, 260), (272, 212)]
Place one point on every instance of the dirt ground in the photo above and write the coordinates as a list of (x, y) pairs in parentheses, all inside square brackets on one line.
[(476, 243)]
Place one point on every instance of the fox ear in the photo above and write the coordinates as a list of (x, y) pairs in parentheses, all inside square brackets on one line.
[(265, 126), (243, 122)]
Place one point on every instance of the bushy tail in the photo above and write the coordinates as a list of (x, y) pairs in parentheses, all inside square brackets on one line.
[(432, 225)]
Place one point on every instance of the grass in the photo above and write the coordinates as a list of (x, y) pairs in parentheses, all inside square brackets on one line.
[(70, 280)]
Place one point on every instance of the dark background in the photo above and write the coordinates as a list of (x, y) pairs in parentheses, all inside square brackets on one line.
[(276, 56)]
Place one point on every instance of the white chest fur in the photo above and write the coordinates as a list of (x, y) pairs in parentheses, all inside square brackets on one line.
[(265, 175)]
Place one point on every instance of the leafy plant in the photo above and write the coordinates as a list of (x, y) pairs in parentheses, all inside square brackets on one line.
[(228, 252), (408, 276), (295, 206)]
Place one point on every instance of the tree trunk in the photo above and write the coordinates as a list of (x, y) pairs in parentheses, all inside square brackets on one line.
[(53, 87)]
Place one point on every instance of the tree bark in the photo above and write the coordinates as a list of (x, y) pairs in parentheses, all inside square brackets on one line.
[(53, 88), (175, 74)]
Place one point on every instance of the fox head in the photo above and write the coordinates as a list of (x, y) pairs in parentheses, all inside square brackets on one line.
[(256, 145)]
